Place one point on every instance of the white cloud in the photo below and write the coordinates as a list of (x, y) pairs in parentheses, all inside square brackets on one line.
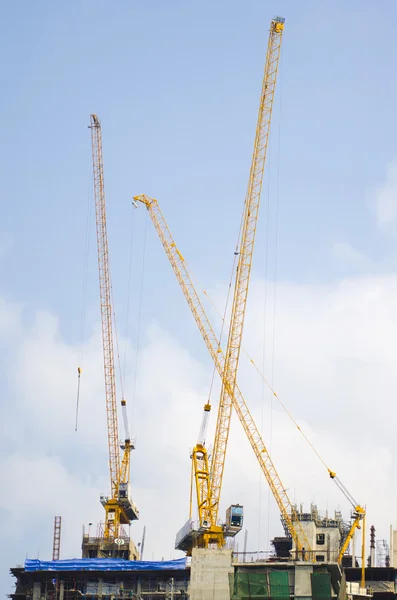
[(40, 487), (352, 258), (334, 358), (386, 197), (334, 368)]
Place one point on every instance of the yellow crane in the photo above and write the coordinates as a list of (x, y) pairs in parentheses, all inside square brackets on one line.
[(288, 512), (243, 271), (119, 509), (358, 516), (208, 484)]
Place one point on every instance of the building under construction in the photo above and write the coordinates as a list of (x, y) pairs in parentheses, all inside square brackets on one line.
[(210, 574), (216, 573), (313, 560)]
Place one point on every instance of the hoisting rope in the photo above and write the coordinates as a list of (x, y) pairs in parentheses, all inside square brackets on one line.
[(84, 290), (331, 473), (275, 272), (261, 476), (129, 293), (138, 335), (235, 259), (275, 394), (78, 396), (117, 341)]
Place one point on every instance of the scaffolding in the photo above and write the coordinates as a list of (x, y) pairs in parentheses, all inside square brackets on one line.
[(104, 585), (56, 548), (382, 553)]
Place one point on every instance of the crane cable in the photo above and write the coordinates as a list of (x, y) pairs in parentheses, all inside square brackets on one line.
[(78, 396), (331, 473), (129, 293), (138, 335), (280, 95), (275, 394), (269, 163), (84, 292), (236, 253), (117, 339)]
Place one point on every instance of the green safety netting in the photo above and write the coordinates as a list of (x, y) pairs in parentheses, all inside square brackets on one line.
[(321, 586), (279, 586), (259, 586), (249, 585)]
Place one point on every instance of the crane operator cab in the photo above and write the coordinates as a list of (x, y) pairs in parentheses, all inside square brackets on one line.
[(124, 500), (234, 520)]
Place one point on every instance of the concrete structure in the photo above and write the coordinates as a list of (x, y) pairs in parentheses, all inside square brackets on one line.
[(325, 535), (210, 570), (382, 582), (101, 585), (100, 547), (393, 547), (212, 575)]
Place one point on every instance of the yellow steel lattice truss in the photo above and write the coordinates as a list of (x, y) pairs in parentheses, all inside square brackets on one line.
[(177, 261), (106, 305), (116, 512), (250, 220)]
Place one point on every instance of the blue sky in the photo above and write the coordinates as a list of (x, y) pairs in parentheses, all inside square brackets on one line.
[(176, 85)]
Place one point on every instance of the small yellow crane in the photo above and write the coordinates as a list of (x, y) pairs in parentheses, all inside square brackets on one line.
[(119, 508), (358, 515)]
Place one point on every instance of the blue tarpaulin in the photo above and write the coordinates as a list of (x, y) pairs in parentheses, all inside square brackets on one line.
[(103, 564)]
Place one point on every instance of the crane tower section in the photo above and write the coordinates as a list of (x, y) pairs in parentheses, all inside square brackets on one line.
[(119, 508), (106, 304)]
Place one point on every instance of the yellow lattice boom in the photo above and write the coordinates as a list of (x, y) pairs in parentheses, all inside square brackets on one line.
[(246, 249), (106, 305), (120, 510)]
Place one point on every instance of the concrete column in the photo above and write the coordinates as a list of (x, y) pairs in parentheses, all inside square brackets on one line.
[(303, 582), (209, 574), (394, 548)]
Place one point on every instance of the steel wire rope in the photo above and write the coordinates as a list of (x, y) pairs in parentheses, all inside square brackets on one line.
[(251, 360), (276, 226), (273, 391), (138, 336), (129, 293), (269, 162), (116, 338), (235, 259), (84, 290), (268, 384)]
